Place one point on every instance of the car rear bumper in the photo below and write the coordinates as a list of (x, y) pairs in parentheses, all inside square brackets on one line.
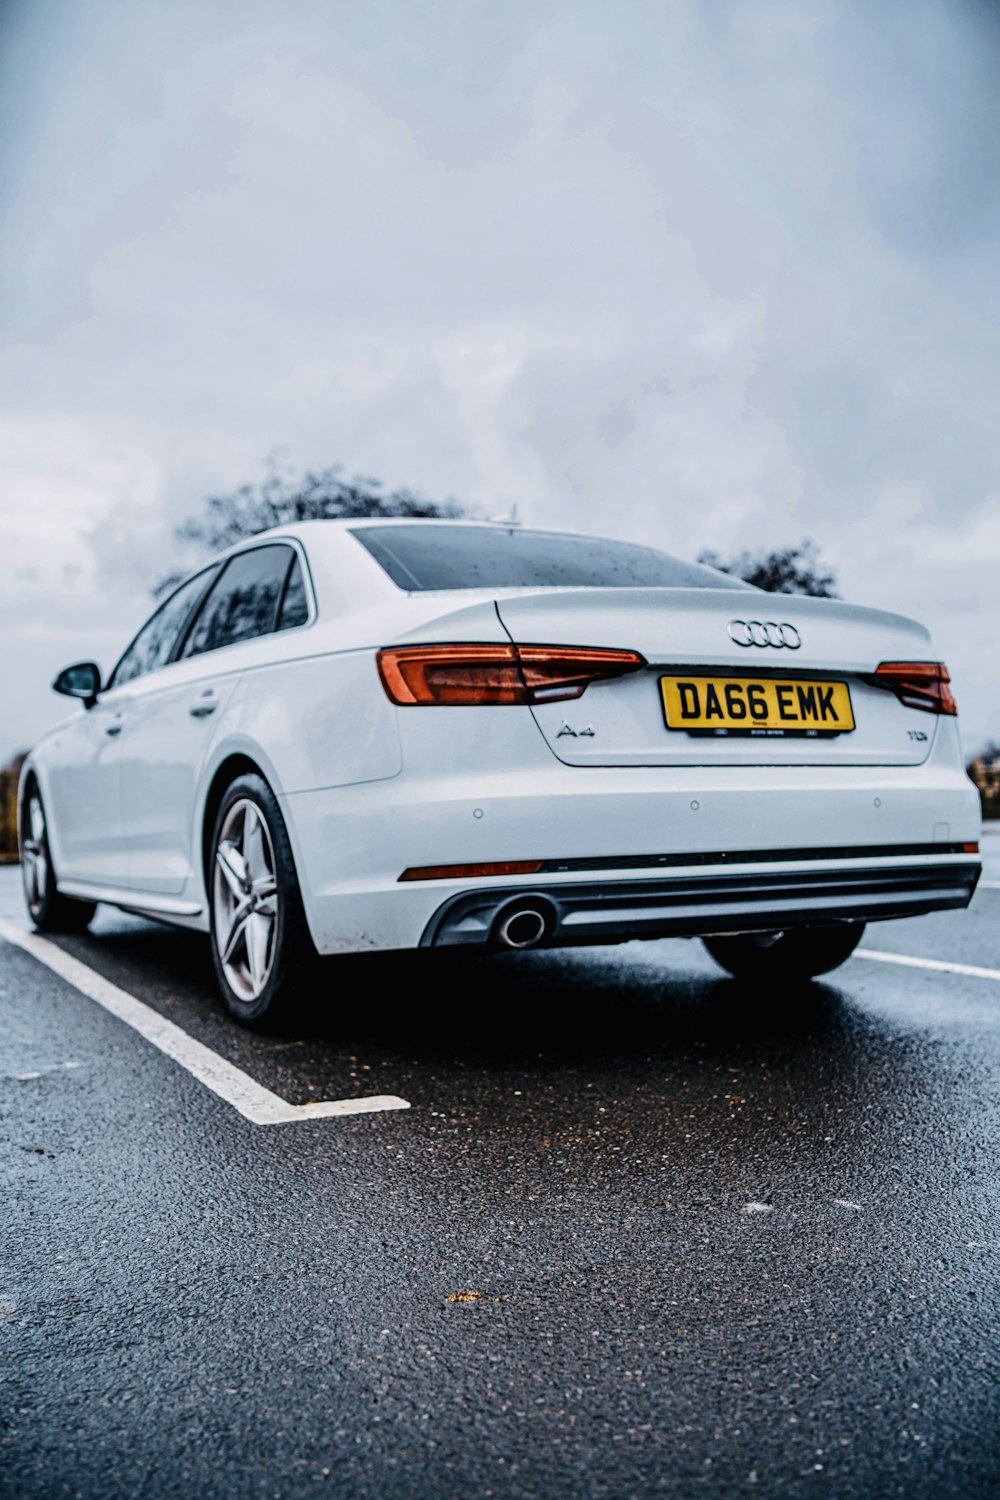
[(597, 831), (608, 911)]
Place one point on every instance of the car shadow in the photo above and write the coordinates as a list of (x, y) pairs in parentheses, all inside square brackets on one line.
[(448, 1007), (579, 1003), (467, 1033), (596, 1001)]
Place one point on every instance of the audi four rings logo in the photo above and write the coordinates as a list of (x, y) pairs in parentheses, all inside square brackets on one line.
[(764, 633)]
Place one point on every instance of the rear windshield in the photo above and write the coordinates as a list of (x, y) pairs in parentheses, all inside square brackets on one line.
[(439, 556)]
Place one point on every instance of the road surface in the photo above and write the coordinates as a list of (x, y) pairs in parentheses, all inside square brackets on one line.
[(640, 1232)]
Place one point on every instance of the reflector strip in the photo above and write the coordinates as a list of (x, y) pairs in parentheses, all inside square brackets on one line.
[(680, 861), (460, 872)]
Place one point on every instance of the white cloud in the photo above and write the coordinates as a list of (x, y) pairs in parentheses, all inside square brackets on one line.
[(696, 275), (944, 571)]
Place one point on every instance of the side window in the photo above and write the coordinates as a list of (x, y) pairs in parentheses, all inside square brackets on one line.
[(295, 605), (243, 601), (156, 640)]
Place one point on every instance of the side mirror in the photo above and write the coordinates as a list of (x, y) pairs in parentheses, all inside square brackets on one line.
[(80, 681)]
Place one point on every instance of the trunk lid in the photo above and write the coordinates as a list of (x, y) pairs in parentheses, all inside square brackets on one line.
[(685, 634)]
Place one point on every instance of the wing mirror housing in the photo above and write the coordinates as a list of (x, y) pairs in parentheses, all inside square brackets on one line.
[(82, 680)]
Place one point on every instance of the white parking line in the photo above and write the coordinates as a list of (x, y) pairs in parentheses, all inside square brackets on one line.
[(254, 1102), (928, 963)]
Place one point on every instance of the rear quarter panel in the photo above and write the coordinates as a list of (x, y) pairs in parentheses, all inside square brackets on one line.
[(321, 721)]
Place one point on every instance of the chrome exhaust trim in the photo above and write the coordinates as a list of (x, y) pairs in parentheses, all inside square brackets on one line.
[(523, 924)]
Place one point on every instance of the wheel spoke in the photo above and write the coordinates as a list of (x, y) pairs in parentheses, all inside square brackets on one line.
[(37, 820), (265, 892), (253, 845), (258, 930), (233, 867), (238, 930)]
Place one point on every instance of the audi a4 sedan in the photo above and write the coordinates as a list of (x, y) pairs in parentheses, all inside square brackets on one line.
[(346, 736)]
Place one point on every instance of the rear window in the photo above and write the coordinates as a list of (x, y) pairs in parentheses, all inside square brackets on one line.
[(439, 556)]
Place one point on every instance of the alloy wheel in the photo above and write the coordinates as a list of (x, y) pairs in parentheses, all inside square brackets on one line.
[(34, 857), (245, 898)]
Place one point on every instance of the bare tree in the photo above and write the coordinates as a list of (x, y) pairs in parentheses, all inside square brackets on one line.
[(8, 809), (985, 772), (284, 496), (789, 570)]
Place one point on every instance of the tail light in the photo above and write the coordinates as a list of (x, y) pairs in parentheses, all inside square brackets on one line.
[(497, 674), (919, 684)]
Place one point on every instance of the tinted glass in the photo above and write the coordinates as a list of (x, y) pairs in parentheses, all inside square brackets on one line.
[(158, 637), (294, 606), (439, 556), (243, 602)]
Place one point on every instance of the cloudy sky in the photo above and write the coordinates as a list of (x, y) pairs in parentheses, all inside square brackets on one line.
[(703, 274)]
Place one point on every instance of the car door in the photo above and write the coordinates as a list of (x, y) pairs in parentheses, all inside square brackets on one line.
[(171, 719), (82, 791), (83, 759)]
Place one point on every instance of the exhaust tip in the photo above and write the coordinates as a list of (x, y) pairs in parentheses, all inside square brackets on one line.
[(523, 925)]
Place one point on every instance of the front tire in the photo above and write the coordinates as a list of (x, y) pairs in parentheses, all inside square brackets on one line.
[(795, 954), (48, 908), (260, 944)]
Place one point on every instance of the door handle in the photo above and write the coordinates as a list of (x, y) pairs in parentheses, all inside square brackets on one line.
[(115, 727), (205, 706)]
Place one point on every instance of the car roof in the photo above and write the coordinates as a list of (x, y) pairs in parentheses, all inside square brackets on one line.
[(346, 523)]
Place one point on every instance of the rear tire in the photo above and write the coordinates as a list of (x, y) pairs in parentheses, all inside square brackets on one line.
[(261, 948), (797, 953), (48, 908)]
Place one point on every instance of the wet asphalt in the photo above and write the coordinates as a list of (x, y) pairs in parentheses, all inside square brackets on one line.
[(642, 1232)]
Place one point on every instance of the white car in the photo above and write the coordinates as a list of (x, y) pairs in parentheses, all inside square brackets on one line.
[(344, 736)]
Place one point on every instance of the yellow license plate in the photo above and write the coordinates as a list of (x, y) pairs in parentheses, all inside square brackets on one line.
[(763, 705)]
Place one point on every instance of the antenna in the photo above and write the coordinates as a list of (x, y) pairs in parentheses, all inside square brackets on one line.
[(510, 520)]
